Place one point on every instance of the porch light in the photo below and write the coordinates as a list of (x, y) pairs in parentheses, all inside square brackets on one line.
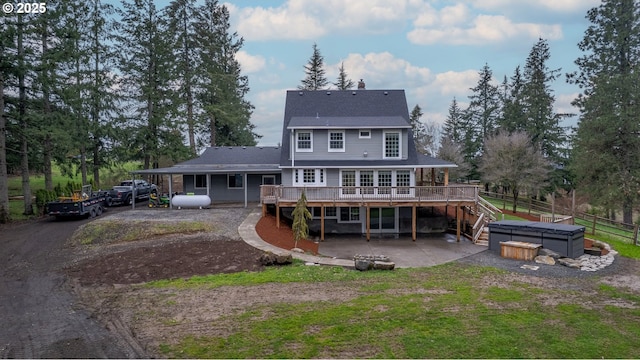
[(365, 153)]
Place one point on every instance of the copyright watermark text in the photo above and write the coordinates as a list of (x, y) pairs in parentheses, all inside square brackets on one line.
[(24, 8)]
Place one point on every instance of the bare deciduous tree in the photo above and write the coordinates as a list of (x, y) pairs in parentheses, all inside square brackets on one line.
[(512, 161), (451, 151)]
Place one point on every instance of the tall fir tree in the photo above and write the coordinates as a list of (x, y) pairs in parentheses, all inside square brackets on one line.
[(226, 111), (147, 80), (315, 78), (453, 125), (7, 70), (606, 151), (484, 106), (541, 122), (182, 24), (343, 83), (513, 118)]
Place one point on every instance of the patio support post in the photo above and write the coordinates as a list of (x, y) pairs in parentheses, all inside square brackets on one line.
[(368, 222), (322, 222), (133, 191), (433, 176), (413, 223), (278, 216), (446, 176), (458, 223), (245, 189), (264, 209), (170, 191)]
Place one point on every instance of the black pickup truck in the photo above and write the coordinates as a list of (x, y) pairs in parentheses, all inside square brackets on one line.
[(127, 191)]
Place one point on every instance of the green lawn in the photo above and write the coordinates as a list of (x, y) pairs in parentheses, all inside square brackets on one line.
[(447, 311)]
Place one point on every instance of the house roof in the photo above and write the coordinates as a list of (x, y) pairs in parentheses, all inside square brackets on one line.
[(224, 159)]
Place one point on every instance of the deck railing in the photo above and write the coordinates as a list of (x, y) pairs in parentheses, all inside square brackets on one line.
[(271, 194)]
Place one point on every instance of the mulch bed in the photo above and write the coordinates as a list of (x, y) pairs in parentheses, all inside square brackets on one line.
[(282, 237)]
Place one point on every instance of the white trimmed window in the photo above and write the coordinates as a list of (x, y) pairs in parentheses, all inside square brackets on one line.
[(348, 179), (200, 181), (392, 145), (403, 178), (308, 177), (336, 141), (349, 214), (304, 141), (235, 181), (364, 134)]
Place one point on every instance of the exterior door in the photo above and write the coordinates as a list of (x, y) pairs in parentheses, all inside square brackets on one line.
[(382, 220)]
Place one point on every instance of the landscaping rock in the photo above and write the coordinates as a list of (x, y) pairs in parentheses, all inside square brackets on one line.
[(268, 258), (549, 252), (545, 259), (571, 263), (363, 264), (384, 265)]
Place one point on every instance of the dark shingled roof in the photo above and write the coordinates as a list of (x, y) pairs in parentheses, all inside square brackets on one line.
[(226, 159)]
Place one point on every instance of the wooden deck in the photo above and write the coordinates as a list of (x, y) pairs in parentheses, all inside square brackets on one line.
[(369, 196)]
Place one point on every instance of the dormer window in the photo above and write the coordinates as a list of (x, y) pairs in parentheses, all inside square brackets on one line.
[(304, 141), (336, 141), (392, 145)]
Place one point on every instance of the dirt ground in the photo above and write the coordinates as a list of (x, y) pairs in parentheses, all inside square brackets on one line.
[(65, 300)]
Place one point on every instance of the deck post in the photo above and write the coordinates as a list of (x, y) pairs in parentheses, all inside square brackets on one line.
[(277, 216), (368, 222), (458, 223), (413, 222), (433, 176), (446, 176), (322, 222)]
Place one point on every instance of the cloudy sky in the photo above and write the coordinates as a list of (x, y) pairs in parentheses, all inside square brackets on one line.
[(433, 49)]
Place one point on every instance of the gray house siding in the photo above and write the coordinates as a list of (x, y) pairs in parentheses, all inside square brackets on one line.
[(220, 191), (355, 147)]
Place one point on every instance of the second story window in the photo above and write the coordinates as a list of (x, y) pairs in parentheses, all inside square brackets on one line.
[(336, 141), (391, 145), (304, 141)]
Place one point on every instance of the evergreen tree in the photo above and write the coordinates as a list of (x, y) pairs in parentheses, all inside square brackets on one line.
[(300, 215), (7, 69), (453, 125), (513, 118), (484, 107), (343, 83), (182, 19), (541, 122), (146, 72), (424, 135), (315, 75), (606, 152), (222, 93)]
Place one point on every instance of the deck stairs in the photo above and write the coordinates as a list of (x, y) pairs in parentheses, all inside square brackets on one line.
[(487, 213)]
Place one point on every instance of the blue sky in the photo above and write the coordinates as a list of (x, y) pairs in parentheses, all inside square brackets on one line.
[(433, 49)]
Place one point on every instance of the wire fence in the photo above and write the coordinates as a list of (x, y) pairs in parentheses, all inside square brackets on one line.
[(593, 224)]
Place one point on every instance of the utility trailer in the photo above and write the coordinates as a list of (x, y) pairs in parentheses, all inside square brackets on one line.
[(83, 203)]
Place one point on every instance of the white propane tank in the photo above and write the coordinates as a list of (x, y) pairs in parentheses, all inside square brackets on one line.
[(198, 201)]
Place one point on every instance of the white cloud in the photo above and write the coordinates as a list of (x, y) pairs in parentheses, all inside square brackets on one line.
[(311, 19), (382, 71), (552, 5), (482, 30), (250, 63), (454, 83), (268, 115)]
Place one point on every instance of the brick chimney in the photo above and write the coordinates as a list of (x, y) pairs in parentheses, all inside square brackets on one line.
[(360, 85)]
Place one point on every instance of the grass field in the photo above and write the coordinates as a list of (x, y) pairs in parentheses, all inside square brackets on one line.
[(448, 311)]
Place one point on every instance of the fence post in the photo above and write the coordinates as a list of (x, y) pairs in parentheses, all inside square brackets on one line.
[(635, 235), (593, 229)]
